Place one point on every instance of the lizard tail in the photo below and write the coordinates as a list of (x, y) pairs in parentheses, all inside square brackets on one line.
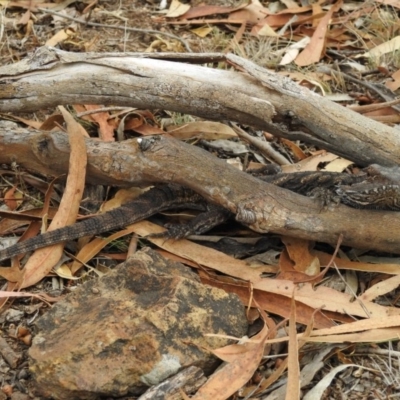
[(149, 203), (87, 227)]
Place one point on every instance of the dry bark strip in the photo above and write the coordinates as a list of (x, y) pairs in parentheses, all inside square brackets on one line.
[(264, 207), (257, 97)]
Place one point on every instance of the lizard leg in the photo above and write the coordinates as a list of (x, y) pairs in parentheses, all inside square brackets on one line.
[(203, 222)]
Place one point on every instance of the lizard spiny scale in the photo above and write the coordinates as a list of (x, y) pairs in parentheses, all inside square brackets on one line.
[(373, 196)]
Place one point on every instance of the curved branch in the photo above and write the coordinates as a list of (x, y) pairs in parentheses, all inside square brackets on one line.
[(266, 208), (255, 96)]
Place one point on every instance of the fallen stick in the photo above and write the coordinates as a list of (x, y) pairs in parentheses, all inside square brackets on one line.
[(264, 207), (171, 81)]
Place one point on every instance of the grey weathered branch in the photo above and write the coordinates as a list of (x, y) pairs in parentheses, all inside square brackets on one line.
[(266, 208), (254, 96)]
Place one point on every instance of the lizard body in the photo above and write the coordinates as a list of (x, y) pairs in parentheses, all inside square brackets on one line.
[(374, 188)]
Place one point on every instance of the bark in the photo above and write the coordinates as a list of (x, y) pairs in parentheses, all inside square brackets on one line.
[(254, 96), (264, 207)]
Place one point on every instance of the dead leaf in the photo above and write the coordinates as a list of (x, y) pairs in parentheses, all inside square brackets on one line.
[(41, 296), (264, 30), (24, 20), (177, 9), (64, 272), (395, 84), (15, 220), (51, 122), (290, 4), (12, 274), (376, 329), (93, 247), (338, 165), (392, 269), (208, 130), (202, 31), (121, 197), (388, 47), (310, 163), (252, 13), (206, 10), (378, 322), (244, 360), (293, 50), (317, 391), (60, 37), (392, 3), (106, 128), (13, 198), (303, 260), (271, 302), (294, 148), (382, 288), (43, 260), (315, 49), (293, 384)]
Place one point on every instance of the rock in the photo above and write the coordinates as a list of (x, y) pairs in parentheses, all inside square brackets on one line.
[(131, 329)]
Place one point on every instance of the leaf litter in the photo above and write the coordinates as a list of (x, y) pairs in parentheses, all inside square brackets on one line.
[(304, 36)]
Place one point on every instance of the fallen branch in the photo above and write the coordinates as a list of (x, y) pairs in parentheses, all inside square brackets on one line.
[(264, 207), (254, 96)]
